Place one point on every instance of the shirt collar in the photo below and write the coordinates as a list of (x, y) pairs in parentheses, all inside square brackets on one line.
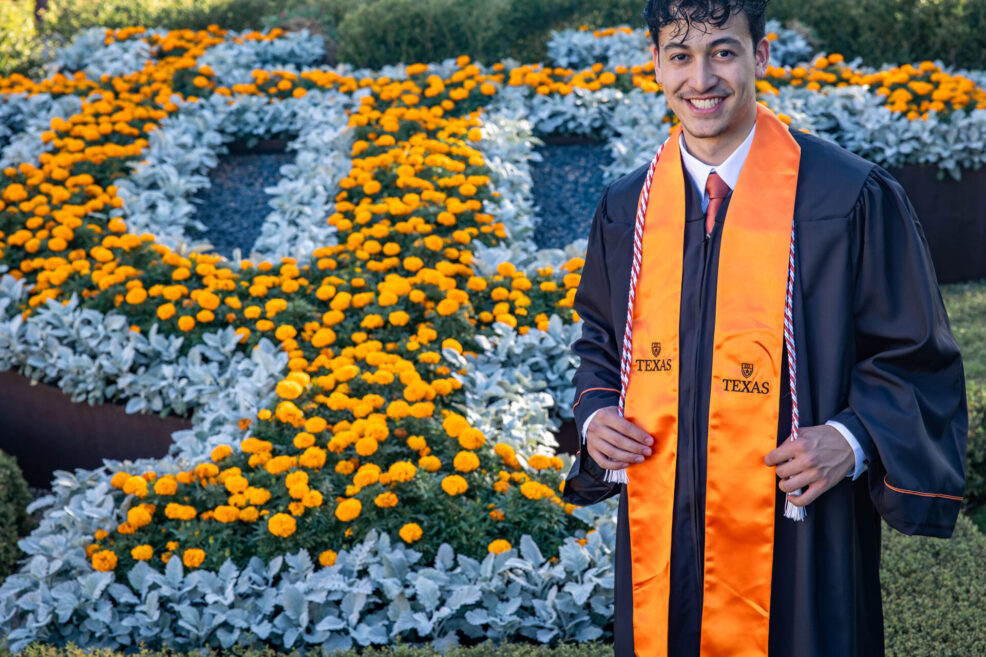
[(729, 170)]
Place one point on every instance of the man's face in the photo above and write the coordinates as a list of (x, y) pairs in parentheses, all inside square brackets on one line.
[(709, 77)]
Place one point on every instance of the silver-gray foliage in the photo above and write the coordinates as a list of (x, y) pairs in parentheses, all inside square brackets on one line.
[(373, 594)]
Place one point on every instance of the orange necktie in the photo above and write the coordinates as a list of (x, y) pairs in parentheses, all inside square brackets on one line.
[(718, 190)]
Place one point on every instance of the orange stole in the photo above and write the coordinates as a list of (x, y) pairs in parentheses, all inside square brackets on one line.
[(744, 402)]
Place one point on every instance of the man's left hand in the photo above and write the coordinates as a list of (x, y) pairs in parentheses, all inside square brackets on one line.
[(815, 462)]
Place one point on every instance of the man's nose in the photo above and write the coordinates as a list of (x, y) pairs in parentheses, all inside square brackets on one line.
[(703, 76)]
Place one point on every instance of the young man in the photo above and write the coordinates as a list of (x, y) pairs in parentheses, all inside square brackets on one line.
[(762, 257)]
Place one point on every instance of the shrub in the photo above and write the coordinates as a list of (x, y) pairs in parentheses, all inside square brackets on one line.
[(933, 593), (882, 31), (975, 475), (382, 32), (388, 31), (321, 18), (65, 18), (20, 47), (14, 521)]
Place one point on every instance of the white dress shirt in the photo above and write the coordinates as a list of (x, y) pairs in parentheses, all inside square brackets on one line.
[(729, 171)]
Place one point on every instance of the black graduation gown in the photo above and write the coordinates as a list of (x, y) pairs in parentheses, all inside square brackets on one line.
[(875, 352)]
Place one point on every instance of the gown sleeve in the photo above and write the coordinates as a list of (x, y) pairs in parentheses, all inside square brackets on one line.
[(597, 379), (907, 404)]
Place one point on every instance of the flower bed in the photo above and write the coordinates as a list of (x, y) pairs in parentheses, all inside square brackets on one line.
[(370, 455)]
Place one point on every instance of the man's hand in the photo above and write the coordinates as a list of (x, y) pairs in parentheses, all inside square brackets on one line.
[(815, 462), (614, 442)]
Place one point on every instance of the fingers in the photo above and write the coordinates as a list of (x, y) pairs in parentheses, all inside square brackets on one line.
[(604, 461), (798, 481), (615, 447), (610, 417), (788, 450), (804, 460), (808, 495), (614, 443)]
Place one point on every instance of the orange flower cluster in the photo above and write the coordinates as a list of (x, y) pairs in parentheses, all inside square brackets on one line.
[(361, 435), (909, 89)]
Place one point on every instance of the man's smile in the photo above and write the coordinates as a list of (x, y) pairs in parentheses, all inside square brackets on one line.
[(705, 105)]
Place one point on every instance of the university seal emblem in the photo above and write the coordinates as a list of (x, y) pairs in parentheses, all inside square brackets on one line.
[(746, 369), (655, 348)]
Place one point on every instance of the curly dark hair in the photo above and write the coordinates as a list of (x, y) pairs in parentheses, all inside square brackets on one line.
[(659, 13)]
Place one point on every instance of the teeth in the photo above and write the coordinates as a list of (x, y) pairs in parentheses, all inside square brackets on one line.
[(707, 103)]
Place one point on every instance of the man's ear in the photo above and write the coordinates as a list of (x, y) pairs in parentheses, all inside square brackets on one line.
[(657, 64), (762, 56)]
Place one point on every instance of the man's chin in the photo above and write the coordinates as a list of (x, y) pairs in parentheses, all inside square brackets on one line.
[(704, 129)]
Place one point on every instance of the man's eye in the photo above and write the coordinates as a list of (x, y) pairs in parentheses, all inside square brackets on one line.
[(726, 53), (677, 58)]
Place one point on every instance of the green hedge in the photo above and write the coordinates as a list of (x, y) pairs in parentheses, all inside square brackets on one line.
[(14, 521), (376, 32), (20, 46), (379, 32), (975, 475), (368, 33), (934, 593), (25, 42), (894, 31), (67, 17)]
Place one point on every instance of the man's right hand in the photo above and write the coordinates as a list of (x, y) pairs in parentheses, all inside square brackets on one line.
[(614, 442)]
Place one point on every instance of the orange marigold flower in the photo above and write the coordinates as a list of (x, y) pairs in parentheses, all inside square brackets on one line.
[(236, 484), (280, 464), (312, 499), (288, 389), (410, 532), (104, 560), (221, 452), (142, 553), (138, 517), (315, 424), (498, 546), (385, 500), (312, 458), (327, 558), (366, 446), (430, 463), (534, 490), (465, 461), (179, 512), (257, 496), (348, 509), (454, 424), (225, 513), (447, 307), (166, 486), (281, 524), (504, 451), (303, 439), (454, 484), (471, 438), (255, 446), (135, 486), (206, 470), (193, 557)]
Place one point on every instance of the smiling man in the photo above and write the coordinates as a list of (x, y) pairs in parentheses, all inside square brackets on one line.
[(766, 369)]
